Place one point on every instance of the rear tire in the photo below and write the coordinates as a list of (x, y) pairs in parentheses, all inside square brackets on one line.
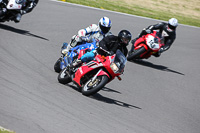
[(136, 53), (64, 77), (91, 88), (57, 66)]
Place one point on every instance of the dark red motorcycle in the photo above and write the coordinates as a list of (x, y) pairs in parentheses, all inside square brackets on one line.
[(150, 44), (94, 75)]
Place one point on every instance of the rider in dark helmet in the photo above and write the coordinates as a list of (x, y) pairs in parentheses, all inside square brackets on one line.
[(124, 37), (167, 30), (111, 44)]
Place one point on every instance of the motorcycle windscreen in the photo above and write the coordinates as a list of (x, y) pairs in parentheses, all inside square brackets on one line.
[(20, 1), (120, 60)]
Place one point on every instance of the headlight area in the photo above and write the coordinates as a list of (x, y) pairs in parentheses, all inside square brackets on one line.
[(114, 67)]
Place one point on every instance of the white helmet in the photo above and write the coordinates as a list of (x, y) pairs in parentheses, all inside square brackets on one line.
[(105, 24), (173, 23)]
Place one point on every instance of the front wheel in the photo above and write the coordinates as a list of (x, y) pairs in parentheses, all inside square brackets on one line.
[(135, 54), (57, 66), (91, 88), (64, 77)]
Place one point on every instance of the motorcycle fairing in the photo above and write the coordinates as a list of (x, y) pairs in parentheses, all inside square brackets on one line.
[(152, 42), (146, 54), (151, 45), (12, 5), (80, 50), (90, 66)]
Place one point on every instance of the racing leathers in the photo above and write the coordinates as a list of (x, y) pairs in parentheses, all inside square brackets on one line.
[(27, 8), (168, 34), (87, 34), (30, 4), (110, 43)]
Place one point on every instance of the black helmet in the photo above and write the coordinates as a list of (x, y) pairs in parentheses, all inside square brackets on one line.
[(124, 37)]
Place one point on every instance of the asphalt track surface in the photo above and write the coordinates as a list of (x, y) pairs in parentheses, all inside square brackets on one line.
[(158, 95)]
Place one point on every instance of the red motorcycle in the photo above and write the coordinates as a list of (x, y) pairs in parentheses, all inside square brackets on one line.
[(150, 44), (93, 76)]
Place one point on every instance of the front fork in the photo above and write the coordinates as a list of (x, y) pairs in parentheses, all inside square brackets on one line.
[(95, 76)]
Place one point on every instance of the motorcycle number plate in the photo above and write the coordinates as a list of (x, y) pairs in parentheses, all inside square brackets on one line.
[(151, 43)]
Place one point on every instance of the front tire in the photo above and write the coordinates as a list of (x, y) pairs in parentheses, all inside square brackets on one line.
[(91, 88), (57, 66), (64, 77), (135, 54)]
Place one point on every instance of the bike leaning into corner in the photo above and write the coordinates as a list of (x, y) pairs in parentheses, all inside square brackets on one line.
[(10, 8), (146, 46), (91, 77), (74, 53)]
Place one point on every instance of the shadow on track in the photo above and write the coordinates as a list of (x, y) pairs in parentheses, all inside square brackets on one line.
[(73, 87), (110, 90), (23, 32), (101, 98), (158, 67)]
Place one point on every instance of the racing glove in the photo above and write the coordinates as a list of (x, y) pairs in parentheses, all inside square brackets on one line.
[(85, 38), (148, 31)]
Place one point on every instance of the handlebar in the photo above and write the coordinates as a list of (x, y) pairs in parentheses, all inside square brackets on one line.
[(105, 51)]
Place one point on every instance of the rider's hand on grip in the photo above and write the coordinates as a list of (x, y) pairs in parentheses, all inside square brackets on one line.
[(105, 51), (148, 31)]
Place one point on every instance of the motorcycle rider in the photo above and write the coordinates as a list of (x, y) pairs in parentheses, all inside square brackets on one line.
[(29, 5), (111, 44), (3, 10), (167, 30), (92, 32)]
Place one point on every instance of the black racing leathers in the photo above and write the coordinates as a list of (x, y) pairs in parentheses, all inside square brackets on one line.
[(111, 43), (30, 4)]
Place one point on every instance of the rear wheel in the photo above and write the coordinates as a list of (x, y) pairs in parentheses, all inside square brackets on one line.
[(57, 66), (64, 77), (136, 53), (91, 88)]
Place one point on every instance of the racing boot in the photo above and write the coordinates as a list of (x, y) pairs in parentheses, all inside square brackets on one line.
[(159, 52), (132, 47), (17, 17), (75, 64), (3, 11)]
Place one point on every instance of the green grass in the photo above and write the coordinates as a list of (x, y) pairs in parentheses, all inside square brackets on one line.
[(139, 11), (6, 131)]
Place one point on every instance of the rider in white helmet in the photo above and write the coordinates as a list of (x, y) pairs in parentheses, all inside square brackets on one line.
[(92, 32), (168, 31)]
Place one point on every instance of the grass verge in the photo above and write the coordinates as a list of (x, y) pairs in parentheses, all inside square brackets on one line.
[(137, 10), (3, 130)]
